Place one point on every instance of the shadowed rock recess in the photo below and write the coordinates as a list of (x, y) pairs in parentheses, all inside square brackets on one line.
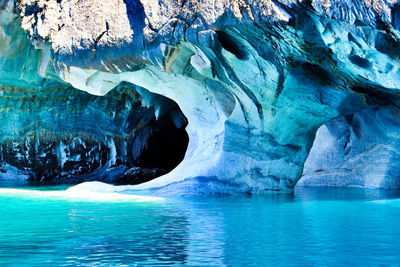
[(255, 80)]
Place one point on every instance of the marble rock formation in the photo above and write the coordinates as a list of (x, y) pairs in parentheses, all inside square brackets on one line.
[(358, 150), (256, 79)]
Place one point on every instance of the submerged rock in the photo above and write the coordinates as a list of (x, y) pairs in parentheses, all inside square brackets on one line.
[(255, 79)]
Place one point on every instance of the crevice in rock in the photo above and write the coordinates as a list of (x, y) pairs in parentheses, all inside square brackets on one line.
[(232, 45), (395, 14)]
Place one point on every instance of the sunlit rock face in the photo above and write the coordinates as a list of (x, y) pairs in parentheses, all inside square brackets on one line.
[(255, 79), (359, 150), (20, 63)]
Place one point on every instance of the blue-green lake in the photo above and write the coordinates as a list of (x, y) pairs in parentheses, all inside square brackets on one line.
[(351, 227)]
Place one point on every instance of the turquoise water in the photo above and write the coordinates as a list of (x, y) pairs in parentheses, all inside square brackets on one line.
[(312, 227)]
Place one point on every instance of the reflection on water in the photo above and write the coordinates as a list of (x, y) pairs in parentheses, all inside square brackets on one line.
[(311, 227)]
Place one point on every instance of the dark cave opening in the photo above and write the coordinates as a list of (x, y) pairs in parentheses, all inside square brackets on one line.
[(157, 148), (165, 145)]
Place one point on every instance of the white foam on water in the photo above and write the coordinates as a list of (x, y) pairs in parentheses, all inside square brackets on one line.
[(91, 191), (390, 202)]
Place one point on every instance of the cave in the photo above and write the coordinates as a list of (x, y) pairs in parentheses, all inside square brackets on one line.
[(157, 147), (67, 136), (165, 145)]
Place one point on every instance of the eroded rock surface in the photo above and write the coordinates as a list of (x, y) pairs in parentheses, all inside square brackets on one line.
[(255, 79), (358, 150)]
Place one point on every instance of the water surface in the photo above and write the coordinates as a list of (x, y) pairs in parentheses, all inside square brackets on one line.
[(332, 227)]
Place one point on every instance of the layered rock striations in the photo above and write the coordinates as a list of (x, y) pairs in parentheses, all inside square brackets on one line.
[(255, 79)]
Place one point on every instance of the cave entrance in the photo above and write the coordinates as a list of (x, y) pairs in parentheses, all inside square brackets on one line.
[(165, 144), (158, 145)]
